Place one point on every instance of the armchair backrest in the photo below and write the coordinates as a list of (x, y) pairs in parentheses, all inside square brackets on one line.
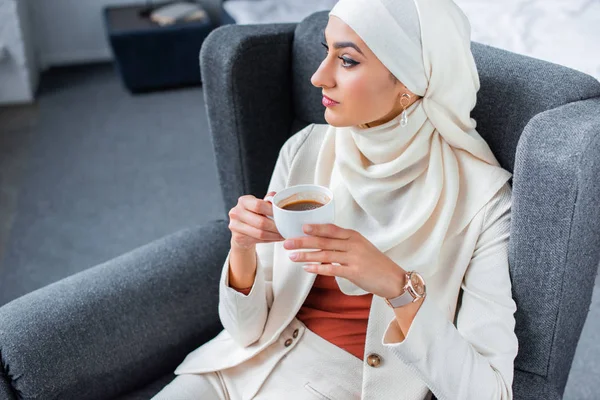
[(541, 120)]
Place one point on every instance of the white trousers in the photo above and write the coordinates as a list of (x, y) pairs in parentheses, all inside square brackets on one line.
[(313, 369)]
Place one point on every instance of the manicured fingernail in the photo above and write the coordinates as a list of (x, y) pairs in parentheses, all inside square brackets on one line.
[(288, 243), (308, 228), (308, 268), (294, 256)]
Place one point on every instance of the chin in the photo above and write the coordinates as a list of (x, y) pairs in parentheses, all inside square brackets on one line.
[(337, 121)]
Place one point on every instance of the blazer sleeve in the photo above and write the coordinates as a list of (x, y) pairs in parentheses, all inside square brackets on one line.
[(244, 316), (475, 358)]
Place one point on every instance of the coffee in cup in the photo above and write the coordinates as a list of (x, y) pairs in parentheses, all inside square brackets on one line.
[(302, 205), (298, 205)]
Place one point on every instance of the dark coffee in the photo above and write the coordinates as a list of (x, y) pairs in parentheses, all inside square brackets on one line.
[(302, 205)]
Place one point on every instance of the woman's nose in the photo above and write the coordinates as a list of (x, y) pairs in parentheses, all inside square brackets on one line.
[(322, 77)]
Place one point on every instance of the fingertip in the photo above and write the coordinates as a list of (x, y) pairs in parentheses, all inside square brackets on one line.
[(309, 268)]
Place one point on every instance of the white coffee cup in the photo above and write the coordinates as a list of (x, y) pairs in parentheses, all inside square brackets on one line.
[(289, 223)]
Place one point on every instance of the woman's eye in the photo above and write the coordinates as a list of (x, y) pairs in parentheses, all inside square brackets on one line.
[(347, 62)]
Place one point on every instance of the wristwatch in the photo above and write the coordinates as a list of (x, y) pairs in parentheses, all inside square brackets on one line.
[(413, 290)]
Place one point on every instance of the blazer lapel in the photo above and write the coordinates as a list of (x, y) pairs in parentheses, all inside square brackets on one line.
[(291, 285)]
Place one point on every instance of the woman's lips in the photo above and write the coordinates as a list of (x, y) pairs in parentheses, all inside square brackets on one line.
[(327, 102)]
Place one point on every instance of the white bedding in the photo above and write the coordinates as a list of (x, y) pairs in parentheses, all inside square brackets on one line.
[(274, 11), (565, 32)]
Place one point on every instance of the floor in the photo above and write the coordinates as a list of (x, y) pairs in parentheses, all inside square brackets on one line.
[(90, 172)]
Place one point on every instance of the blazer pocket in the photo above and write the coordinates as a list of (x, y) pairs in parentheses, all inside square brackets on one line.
[(315, 392)]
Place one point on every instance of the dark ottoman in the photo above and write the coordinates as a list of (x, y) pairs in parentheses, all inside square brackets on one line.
[(149, 56)]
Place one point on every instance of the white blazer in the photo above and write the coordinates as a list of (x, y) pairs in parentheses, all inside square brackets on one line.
[(458, 347)]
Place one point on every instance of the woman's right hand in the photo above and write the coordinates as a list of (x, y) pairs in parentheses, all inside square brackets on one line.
[(249, 224)]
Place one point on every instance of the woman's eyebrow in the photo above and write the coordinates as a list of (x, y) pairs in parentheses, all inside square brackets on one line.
[(341, 45)]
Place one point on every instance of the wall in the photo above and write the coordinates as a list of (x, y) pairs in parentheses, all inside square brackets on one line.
[(18, 67), (71, 31)]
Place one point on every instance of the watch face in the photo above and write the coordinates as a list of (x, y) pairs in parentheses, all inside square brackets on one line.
[(417, 283)]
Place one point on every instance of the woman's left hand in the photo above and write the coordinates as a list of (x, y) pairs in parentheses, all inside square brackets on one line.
[(360, 261)]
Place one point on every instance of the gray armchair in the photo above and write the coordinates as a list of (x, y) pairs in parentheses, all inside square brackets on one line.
[(119, 329)]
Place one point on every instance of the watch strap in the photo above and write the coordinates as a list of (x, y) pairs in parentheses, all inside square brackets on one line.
[(402, 300), (408, 295)]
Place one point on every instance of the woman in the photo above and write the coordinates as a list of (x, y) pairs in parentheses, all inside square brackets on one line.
[(420, 199)]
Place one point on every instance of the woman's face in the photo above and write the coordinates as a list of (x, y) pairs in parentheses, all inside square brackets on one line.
[(361, 87)]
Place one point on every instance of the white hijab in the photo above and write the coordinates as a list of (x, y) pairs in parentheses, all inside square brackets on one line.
[(408, 189)]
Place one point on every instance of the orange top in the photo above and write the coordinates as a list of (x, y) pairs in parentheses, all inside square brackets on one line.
[(336, 317)]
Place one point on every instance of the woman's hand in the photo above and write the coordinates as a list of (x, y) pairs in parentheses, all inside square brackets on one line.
[(249, 224), (360, 261)]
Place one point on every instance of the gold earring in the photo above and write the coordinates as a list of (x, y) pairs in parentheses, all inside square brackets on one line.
[(403, 117)]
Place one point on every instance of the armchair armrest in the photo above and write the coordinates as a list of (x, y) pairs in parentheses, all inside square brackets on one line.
[(116, 326), (554, 243), (249, 103), (528, 386)]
